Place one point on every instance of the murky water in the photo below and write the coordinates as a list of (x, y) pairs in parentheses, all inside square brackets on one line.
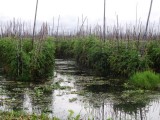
[(89, 96)]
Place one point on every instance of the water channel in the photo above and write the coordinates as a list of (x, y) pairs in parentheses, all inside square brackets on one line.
[(84, 94)]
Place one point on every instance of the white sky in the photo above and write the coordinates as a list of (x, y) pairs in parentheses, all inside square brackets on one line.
[(70, 10)]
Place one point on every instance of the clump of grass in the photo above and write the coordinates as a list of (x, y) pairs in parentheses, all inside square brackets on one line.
[(145, 80), (18, 115), (13, 115)]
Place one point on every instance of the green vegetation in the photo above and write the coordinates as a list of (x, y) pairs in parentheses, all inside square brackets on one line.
[(64, 48), (71, 116), (115, 60), (154, 55), (23, 63), (106, 59), (72, 99), (48, 88), (145, 80), (23, 116)]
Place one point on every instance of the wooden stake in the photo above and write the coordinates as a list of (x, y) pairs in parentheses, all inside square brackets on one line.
[(145, 34), (104, 22), (33, 39)]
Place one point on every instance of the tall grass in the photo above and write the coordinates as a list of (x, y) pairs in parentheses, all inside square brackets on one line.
[(154, 55), (145, 80), (64, 48), (35, 63), (122, 54), (106, 58)]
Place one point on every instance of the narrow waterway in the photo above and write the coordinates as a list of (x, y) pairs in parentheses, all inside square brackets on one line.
[(84, 94)]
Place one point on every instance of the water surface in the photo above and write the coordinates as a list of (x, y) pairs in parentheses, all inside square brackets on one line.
[(87, 95)]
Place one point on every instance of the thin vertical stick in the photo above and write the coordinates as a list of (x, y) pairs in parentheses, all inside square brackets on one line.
[(82, 26), (78, 26), (58, 26), (117, 36), (158, 32), (143, 51), (136, 14), (104, 22), (53, 27), (35, 17), (87, 31), (145, 34)]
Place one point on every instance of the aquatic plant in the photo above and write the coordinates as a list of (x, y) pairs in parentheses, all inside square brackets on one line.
[(106, 59), (71, 115), (18, 115), (125, 62), (48, 88), (64, 48), (91, 52), (72, 99), (153, 51), (145, 80), (27, 64)]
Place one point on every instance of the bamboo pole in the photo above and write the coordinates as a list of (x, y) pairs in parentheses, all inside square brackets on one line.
[(136, 14), (117, 34), (82, 25), (57, 33), (104, 22), (52, 27), (145, 34), (143, 51), (35, 17)]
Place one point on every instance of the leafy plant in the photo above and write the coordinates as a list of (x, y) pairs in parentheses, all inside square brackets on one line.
[(145, 80), (71, 117), (24, 63), (154, 55)]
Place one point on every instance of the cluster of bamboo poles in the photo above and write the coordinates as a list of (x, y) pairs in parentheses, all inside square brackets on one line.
[(128, 32), (116, 32)]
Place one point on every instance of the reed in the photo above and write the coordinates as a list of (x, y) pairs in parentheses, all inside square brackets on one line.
[(24, 63)]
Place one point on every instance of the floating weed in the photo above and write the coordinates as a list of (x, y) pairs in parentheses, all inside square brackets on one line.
[(47, 89), (56, 85), (38, 92), (72, 100), (109, 119), (47, 110), (19, 115), (65, 87), (71, 115), (82, 92)]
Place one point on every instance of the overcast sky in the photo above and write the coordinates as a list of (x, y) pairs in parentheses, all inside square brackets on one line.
[(70, 10)]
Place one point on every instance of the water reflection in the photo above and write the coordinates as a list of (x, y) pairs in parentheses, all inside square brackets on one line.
[(91, 99), (3, 103), (27, 103)]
